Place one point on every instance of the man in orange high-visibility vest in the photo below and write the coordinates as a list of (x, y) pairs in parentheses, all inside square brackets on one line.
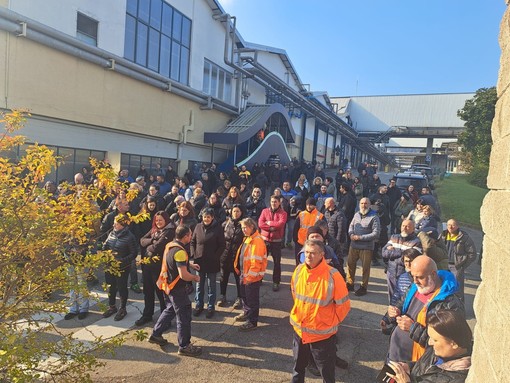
[(321, 302), (304, 221), (172, 280)]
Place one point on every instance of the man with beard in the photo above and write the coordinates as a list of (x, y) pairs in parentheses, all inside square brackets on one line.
[(432, 290), (363, 231), (392, 253)]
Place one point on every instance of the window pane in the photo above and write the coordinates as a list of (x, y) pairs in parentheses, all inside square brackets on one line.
[(144, 10), (186, 32), (153, 49), (129, 41), (164, 59), (184, 65), (66, 170), (207, 77), (176, 35), (221, 84), (156, 14), (176, 58), (214, 82), (141, 44), (98, 155), (166, 27), (228, 88), (131, 7)]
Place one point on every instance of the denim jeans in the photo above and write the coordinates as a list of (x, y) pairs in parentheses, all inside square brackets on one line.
[(77, 302), (210, 278)]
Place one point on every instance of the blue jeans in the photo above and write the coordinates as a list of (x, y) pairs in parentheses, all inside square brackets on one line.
[(211, 290), (77, 302)]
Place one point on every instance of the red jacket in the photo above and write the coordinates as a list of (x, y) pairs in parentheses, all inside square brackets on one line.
[(272, 224)]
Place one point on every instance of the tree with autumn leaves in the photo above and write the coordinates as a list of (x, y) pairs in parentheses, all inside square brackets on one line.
[(45, 242)]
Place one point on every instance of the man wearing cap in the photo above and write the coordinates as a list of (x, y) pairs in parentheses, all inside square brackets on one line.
[(304, 220), (364, 230), (317, 313), (461, 252), (392, 253)]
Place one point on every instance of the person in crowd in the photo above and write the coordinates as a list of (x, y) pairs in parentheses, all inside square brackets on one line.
[(214, 203), (245, 173), (365, 181), (233, 198), (302, 192), (149, 207), (244, 191), (347, 201), (339, 178), (183, 187), (461, 252), (198, 201), (272, 222), (154, 192), (250, 264), (315, 325), (357, 188), (124, 248), (330, 186), (429, 218), (321, 197), (413, 194), (381, 204), (188, 175), (275, 176), (333, 244), (283, 201), (292, 215), (434, 247), (319, 172), (417, 213), (364, 230), (185, 215), (234, 176), (152, 248), (304, 220), (447, 358), (170, 175), (429, 199), (158, 170), (402, 209), (394, 194), (303, 182), (262, 182), (393, 250), (337, 225), (169, 198), (348, 178), (207, 246), (164, 187), (255, 204), (175, 274), (315, 188), (404, 281), (233, 240), (432, 290), (124, 177), (142, 172)]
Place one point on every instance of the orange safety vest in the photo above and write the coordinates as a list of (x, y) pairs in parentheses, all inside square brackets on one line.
[(306, 220), (321, 302), (254, 258), (162, 281)]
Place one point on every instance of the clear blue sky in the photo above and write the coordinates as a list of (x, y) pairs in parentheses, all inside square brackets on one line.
[(376, 47)]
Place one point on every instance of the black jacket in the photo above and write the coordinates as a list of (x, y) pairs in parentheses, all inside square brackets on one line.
[(154, 242), (426, 371), (233, 239), (207, 246), (123, 245)]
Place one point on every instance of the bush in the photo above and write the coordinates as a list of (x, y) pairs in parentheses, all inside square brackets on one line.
[(478, 175)]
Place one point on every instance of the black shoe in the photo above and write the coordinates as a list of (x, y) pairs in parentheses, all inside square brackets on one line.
[(276, 286), (361, 291), (197, 311), (143, 320), (350, 287), (375, 262), (313, 370), (82, 315), (69, 316), (190, 350), (159, 340), (111, 310), (120, 314), (339, 362), (209, 314)]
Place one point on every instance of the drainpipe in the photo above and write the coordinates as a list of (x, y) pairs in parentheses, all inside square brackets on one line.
[(303, 131)]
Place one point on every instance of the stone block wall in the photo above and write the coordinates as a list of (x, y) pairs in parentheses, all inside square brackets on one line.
[(492, 301)]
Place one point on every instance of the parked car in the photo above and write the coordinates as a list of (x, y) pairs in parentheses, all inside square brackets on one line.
[(404, 179)]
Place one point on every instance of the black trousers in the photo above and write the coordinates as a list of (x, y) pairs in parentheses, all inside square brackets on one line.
[(150, 273), (323, 353), (275, 248), (227, 268), (117, 283)]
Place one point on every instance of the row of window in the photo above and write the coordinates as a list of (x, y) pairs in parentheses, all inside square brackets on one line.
[(133, 163), (158, 37), (217, 82)]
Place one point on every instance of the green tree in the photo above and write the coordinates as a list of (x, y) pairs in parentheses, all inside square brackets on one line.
[(46, 242), (476, 140)]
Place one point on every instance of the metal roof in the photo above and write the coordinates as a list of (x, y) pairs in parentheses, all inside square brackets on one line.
[(420, 111), (254, 118)]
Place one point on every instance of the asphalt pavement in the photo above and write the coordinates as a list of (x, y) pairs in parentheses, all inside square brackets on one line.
[(263, 355)]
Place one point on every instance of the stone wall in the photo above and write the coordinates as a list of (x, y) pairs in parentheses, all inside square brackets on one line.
[(492, 301)]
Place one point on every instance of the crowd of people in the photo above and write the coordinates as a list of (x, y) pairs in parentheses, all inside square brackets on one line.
[(209, 222)]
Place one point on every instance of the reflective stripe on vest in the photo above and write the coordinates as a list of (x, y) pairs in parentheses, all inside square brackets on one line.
[(330, 330), (162, 281)]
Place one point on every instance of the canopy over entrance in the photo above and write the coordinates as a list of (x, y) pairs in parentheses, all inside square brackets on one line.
[(256, 118)]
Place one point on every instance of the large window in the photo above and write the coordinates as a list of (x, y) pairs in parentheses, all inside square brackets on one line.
[(86, 29), (132, 163), (217, 82), (158, 37)]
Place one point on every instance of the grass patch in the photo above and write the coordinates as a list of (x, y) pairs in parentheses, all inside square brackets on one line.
[(460, 200)]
